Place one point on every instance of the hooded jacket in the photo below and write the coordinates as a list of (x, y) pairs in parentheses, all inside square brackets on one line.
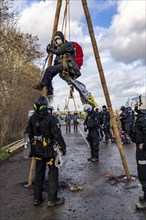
[(68, 49)]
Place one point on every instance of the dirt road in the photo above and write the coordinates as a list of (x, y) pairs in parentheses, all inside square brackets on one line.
[(105, 196)]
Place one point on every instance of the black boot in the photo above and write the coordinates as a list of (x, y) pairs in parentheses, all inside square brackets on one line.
[(38, 87), (50, 89)]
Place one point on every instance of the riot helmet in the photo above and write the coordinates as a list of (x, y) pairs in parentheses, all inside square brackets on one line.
[(41, 104), (142, 103), (87, 108), (122, 108)]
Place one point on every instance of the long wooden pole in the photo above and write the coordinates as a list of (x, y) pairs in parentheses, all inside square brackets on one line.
[(44, 92), (55, 26), (105, 89)]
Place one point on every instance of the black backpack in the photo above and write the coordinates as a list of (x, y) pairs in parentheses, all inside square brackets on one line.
[(42, 146)]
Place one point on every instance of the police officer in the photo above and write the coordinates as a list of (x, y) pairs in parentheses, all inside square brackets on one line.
[(106, 124), (60, 47), (127, 119), (140, 140), (43, 129), (92, 123)]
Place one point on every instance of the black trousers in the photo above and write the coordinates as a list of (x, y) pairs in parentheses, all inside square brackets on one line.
[(141, 168), (50, 73), (94, 143), (108, 133), (39, 180)]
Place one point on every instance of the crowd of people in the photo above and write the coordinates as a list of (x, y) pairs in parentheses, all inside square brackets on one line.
[(44, 131)]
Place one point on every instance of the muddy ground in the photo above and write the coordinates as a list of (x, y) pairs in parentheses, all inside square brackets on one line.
[(105, 196)]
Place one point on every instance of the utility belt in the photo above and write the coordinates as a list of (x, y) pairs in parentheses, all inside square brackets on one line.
[(45, 141), (42, 147)]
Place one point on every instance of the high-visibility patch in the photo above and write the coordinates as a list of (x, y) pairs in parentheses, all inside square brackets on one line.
[(142, 162)]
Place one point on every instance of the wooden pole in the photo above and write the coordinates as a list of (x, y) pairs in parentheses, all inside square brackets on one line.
[(55, 26), (105, 89), (44, 92)]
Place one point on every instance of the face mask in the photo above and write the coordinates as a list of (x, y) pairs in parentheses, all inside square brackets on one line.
[(58, 41)]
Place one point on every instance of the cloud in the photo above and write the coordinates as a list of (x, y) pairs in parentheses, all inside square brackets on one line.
[(121, 47), (126, 37)]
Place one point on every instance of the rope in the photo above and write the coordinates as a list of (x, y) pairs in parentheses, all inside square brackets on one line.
[(64, 25)]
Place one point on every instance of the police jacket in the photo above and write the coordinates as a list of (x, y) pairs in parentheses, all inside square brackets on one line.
[(127, 115), (46, 125), (92, 121), (105, 117), (140, 128), (66, 48)]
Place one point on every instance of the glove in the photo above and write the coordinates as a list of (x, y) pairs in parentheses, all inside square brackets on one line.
[(63, 152), (48, 47)]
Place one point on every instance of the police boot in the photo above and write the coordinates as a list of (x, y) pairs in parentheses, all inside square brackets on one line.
[(50, 89), (141, 205), (38, 87), (141, 198), (94, 159), (58, 201), (39, 202)]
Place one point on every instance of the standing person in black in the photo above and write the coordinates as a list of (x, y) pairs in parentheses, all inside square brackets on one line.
[(100, 130), (140, 140), (106, 124), (75, 121), (60, 47), (43, 130), (127, 119), (92, 123)]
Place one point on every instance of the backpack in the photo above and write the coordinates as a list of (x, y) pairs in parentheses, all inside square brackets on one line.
[(78, 54), (41, 146)]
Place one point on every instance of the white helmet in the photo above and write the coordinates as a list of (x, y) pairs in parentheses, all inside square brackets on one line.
[(87, 108), (142, 103), (50, 107)]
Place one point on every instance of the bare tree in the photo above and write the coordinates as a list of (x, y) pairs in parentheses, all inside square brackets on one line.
[(18, 71)]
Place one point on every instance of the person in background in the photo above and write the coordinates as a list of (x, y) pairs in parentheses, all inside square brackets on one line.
[(106, 124), (43, 131), (91, 124), (68, 122), (75, 121), (100, 130), (127, 120)]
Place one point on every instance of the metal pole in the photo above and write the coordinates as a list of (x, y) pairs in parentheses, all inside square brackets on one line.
[(105, 89), (55, 26)]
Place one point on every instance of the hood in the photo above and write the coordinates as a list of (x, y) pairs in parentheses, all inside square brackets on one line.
[(40, 115), (60, 34)]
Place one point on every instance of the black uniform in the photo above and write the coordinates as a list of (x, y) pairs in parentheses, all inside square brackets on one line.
[(127, 119), (44, 128), (92, 122), (70, 64), (140, 137), (106, 124)]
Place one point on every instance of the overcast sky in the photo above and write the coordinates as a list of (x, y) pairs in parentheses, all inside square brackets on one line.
[(120, 30)]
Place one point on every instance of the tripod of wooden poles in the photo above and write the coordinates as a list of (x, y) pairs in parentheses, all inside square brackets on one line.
[(103, 82)]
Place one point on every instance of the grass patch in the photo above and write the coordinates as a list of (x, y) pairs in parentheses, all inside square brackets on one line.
[(4, 155)]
